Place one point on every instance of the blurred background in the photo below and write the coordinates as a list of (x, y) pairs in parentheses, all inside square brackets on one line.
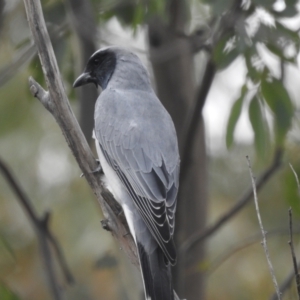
[(228, 73)]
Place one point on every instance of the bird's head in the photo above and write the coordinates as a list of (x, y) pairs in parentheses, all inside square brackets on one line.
[(115, 66), (99, 69)]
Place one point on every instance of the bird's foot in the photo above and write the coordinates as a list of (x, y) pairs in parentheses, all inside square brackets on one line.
[(97, 170), (105, 225)]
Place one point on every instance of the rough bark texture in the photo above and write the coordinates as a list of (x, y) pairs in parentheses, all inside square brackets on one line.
[(172, 61)]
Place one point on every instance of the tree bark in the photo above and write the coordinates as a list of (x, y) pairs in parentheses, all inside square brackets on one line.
[(172, 61)]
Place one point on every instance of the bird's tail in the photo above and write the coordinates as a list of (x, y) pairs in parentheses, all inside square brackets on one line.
[(156, 274)]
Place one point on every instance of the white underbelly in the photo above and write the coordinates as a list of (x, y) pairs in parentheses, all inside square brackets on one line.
[(119, 192)]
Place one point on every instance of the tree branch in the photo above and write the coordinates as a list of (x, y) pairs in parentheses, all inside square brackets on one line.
[(57, 103), (262, 180), (224, 256), (223, 25), (263, 232), (193, 120), (44, 235)]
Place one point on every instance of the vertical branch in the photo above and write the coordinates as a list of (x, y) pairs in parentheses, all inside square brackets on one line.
[(193, 120), (291, 243), (263, 232)]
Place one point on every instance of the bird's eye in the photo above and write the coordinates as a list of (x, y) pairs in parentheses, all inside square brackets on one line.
[(96, 62)]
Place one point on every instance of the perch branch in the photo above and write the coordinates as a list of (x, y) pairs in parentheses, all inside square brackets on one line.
[(41, 228), (57, 103), (245, 199), (263, 232)]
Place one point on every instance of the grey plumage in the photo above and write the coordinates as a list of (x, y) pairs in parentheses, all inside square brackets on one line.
[(137, 147)]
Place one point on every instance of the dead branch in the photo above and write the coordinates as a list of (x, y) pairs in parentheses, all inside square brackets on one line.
[(263, 232), (198, 237), (249, 241)]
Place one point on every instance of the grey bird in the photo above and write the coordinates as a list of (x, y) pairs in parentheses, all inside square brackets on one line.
[(138, 151)]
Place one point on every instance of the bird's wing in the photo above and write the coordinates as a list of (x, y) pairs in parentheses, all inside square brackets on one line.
[(151, 183)]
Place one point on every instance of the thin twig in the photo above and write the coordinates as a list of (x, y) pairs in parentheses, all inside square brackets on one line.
[(263, 232), (296, 177), (225, 255), (291, 243), (200, 236), (44, 235)]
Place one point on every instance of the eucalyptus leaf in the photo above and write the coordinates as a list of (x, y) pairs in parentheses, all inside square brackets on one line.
[(222, 57), (260, 128), (253, 74), (278, 99), (234, 116)]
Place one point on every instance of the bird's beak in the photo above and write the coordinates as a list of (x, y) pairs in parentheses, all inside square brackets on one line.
[(84, 78)]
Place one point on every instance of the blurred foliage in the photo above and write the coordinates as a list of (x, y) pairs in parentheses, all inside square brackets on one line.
[(6, 294), (131, 12), (31, 143), (260, 29)]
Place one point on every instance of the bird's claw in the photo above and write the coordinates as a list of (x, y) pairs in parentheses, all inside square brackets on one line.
[(97, 170)]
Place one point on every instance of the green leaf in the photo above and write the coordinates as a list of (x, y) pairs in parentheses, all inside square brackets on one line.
[(278, 99), (234, 116), (260, 128), (253, 74), (278, 52), (288, 33), (222, 57)]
